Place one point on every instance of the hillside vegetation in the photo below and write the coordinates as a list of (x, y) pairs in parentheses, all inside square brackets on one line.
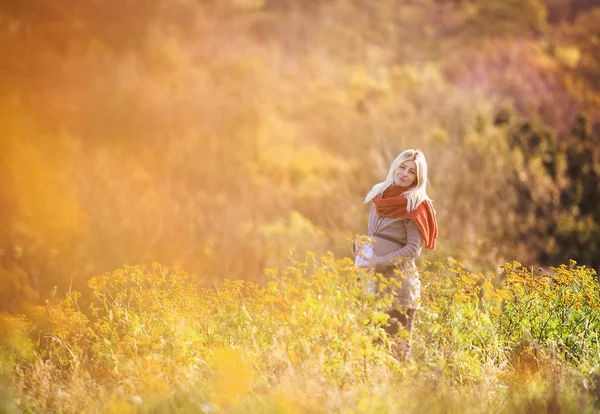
[(218, 135), (221, 138)]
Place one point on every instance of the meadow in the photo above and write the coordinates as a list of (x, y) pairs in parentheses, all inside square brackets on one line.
[(180, 179), (153, 340)]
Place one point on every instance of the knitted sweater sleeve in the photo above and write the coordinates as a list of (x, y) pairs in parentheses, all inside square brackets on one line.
[(411, 250)]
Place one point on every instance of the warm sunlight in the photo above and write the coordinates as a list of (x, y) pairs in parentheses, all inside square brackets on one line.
[(181, 182)]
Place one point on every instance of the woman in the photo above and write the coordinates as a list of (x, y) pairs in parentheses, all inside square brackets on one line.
[(402, 220)]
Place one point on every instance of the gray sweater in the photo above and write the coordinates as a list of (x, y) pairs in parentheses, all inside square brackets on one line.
[(387, 254)]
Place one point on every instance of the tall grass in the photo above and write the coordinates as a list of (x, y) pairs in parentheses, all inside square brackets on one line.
[(155, 340)]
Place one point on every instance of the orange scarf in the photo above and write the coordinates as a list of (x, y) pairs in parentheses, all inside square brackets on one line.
[(393, 204)]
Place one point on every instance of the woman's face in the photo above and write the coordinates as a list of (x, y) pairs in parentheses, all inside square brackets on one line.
[(406, 174)]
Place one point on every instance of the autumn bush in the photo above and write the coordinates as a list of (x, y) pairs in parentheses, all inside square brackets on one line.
[(155, 339)]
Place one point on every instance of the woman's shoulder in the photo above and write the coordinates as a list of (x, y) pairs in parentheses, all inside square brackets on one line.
[(426, 206)]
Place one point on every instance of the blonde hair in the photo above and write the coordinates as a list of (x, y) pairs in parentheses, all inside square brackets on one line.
[(418, 192)]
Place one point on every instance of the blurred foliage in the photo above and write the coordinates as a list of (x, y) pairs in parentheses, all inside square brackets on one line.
[(220, 135), (557, 183), (311, 340), (511, 17)]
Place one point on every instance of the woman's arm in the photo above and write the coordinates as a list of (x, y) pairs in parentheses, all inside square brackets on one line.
[(372, 220), (414, 242)]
